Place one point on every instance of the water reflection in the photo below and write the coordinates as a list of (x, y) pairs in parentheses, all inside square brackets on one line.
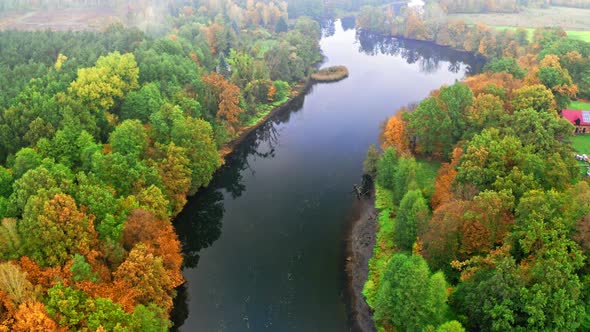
[(199, 224), (234, 280), (348, 23), (428, 55), (328, 28)]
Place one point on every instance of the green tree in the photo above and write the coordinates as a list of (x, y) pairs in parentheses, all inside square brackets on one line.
[(142, 103), (371, 160), (24, 160), (552, 299), (106, 314), (66, 305), (150, 318), (6, 180), (509, 65), (451, 326), (57, 231), (387, 167), (537, 97), (196, 136), (281, 25), (81, 270), (129, 139), (413, 213), (490, 300), (409, 297)]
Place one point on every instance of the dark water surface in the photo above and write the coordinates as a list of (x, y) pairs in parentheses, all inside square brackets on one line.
[(264, 244)]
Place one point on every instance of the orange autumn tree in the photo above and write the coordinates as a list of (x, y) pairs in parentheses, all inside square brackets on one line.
[(444, 180), (145, 273), (213, 34), (442, 238), (32, 317), (159, 238), (226, 96), (394, 134), (271, 93), (487, 221)]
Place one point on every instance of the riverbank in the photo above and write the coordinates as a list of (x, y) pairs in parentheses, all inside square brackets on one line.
[(298, 91), (359, 250)]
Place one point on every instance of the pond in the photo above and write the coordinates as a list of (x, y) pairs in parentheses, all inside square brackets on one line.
[(264, 244)]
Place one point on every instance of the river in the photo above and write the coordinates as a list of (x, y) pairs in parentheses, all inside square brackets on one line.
[(264, 244)]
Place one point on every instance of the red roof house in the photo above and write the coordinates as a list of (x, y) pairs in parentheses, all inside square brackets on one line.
[(580, 119)]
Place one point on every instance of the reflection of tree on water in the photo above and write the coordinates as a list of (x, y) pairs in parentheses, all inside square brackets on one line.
[(199, 224), (348, 23), (328, 28), (180, 312), (428, 55)]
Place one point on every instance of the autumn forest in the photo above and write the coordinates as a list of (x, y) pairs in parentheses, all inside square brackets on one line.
[(483, 214)]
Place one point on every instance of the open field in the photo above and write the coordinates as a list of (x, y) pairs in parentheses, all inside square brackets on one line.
[(573, 34), (59, 20), (567, 18), (582, 143), (581, 35), (579, 105)]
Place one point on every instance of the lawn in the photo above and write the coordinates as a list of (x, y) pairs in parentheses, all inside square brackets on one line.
[(579, 105), (573, 34), (580, 35), (581, 144), (570, 19)]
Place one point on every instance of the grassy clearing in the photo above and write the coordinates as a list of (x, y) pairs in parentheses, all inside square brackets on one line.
[(579, 105), (567, 18), (579, 35), (384, 246), (581, 144), (262, 46), (573, 34), (263, 110)]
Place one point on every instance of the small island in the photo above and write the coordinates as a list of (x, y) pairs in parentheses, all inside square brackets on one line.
[(330, 74)]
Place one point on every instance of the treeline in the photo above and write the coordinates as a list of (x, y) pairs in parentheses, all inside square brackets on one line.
[(102, 136), (433, 25), (483, 40), (481, 6), (483, 214), (329, 8), (500, 6), (570, 3)]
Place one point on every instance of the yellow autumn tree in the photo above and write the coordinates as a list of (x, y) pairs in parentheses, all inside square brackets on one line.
[(111, 78)]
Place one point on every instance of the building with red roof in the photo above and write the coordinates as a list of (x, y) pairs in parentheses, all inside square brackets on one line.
[(580, 119)]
